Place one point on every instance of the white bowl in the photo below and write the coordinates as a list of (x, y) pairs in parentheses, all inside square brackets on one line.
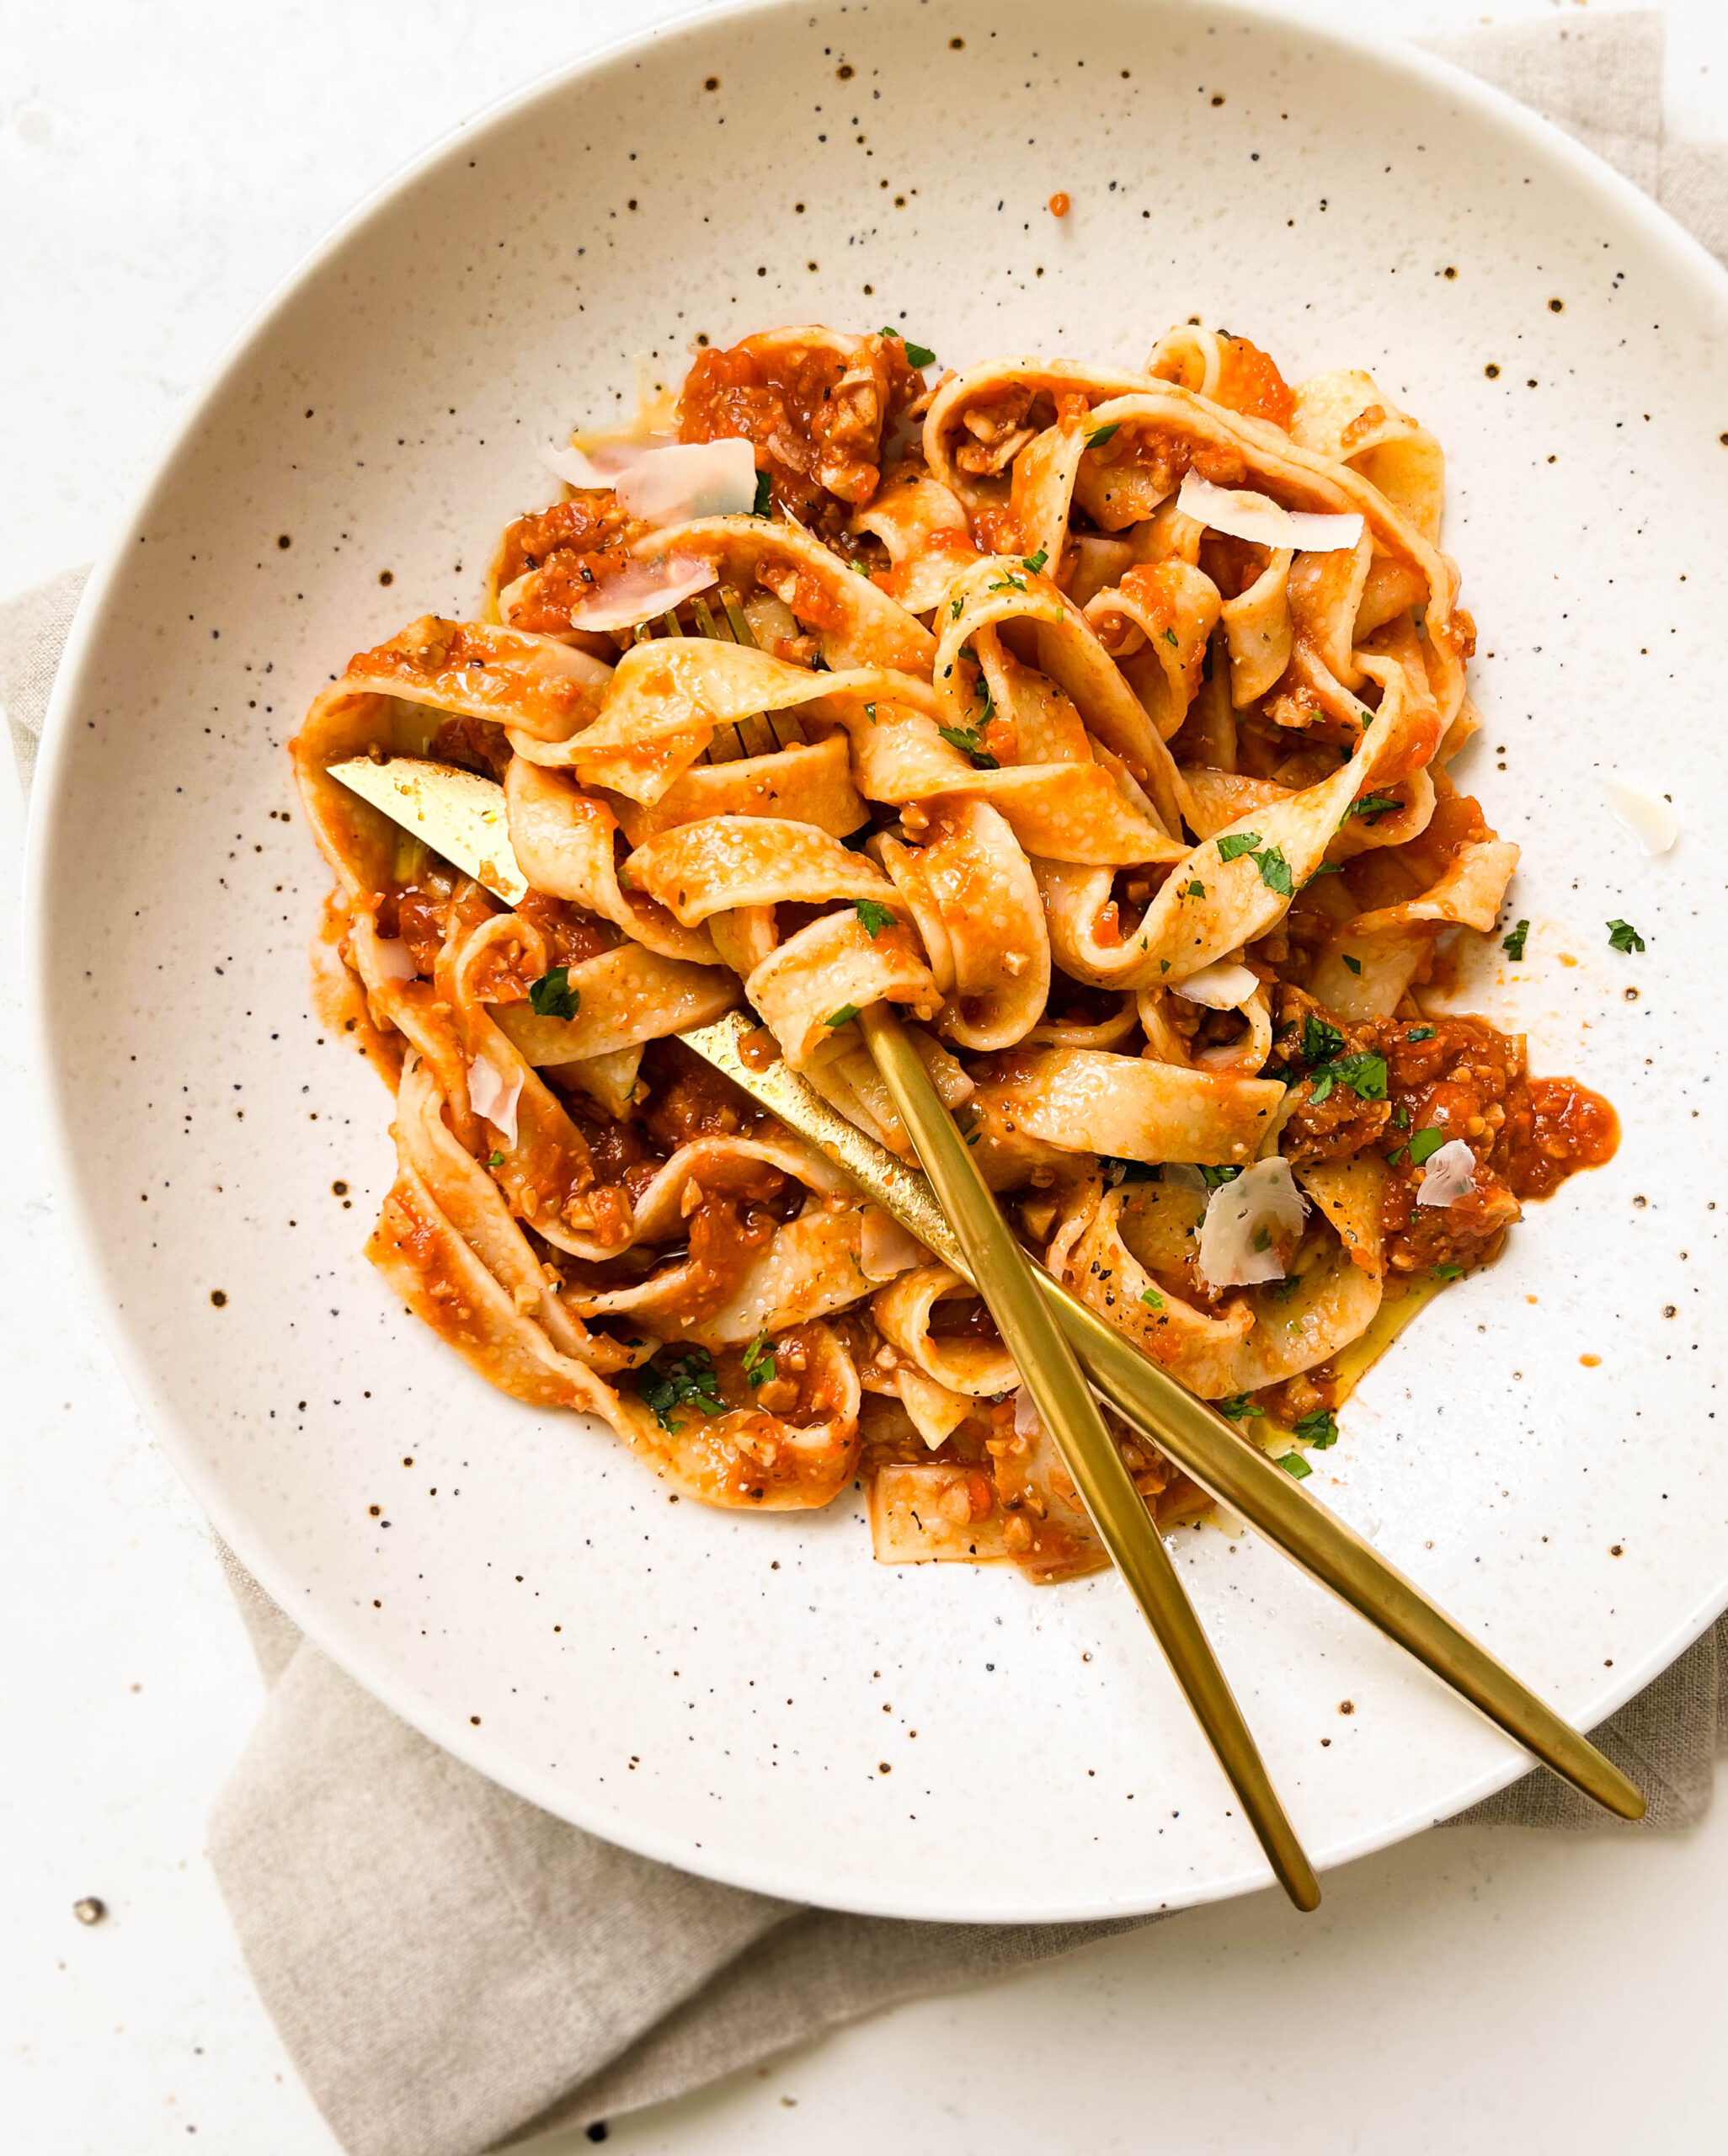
[(741, 1695)]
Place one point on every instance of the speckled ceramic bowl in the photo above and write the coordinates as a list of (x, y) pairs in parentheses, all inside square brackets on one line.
[(753, 1698)]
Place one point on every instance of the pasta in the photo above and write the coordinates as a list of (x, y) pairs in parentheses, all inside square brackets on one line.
[(1100, 720)]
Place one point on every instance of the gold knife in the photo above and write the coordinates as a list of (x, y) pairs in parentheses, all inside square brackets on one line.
[(461, 817)]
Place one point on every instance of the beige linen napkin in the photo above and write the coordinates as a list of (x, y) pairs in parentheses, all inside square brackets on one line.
[(452, 1969)]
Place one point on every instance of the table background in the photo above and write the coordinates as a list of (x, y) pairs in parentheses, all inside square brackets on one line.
[(162, 166)]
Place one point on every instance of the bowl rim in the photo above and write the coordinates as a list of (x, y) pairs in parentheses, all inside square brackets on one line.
[(1581, 168)]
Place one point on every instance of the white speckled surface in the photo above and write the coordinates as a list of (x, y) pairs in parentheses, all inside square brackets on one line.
[(1544, 1909)]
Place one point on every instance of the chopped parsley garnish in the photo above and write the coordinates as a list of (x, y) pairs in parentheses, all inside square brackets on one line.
[(1326, 868), (1275, 873), (1425, 1144), (765, 488), (759, 1362), (1033, 563), (1172, 638), (494, 1159), (1197, 889), (917, 355), (1262, 1240), (875, 917), (1214, 1177), (1364, 1073), (1151, 1298), (1400, 1116), (1514, 944), (1448, 1272), (870, 713), (970, 743), (1319, 1429), (1295, 1466), (1100, 434), (1420, 1033), (1372, 807), (552, 996), (688, 1378), (1274, 869), (1238, 1409), (1624, 937), (843, 1016), (1006, 584), (954, 609), (1320, 1042), (1352, 962)]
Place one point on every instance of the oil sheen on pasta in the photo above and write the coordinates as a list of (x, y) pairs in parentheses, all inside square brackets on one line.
[(1144, 820)]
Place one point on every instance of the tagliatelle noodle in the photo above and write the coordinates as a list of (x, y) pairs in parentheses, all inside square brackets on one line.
[(1096, 718)]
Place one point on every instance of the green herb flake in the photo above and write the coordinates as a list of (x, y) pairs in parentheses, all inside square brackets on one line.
[(870, 713), (1320, 1042), (494, 1159), (1319, 1429), (688, 1378), (1234, 843), (765, 488), (1295, 1466), (759, 1362), (1151, 1298), (1262, 1240), (1275, 874), (1514, 944), (1372, 807), (552, 995), (1033, 564), (1400, 1116), (1448, 1272), (954, 609), (843, 1016), (1172, 639), (1006, 584), (1099, 436), (1365, 1074), (1624, 937), (1194, 890), (1425, 1144), (1354, 964), (970, 743), (1240, 1409), (1420, 1033), (917, 355), (1326, 868), (875, 916), (1214, 1177)]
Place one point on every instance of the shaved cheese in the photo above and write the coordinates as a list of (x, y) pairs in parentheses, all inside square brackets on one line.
[(1183, 1174), (572, 468), (495, 1097), (691, 479), (1650, 819), (1251, 1225), (1220, 986), (884, 1247), (644, 590), (1451, 1175), (393, 958), (1265, 522)]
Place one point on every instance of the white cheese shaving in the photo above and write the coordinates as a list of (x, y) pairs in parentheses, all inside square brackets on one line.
[(1251, 1225), (495, 1097), (884, 1247), (391, 959), (1650, 819), (1265, 522), (569, 464), (644, 590), (1451, 1175), (1220, 986), (692, 478)]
